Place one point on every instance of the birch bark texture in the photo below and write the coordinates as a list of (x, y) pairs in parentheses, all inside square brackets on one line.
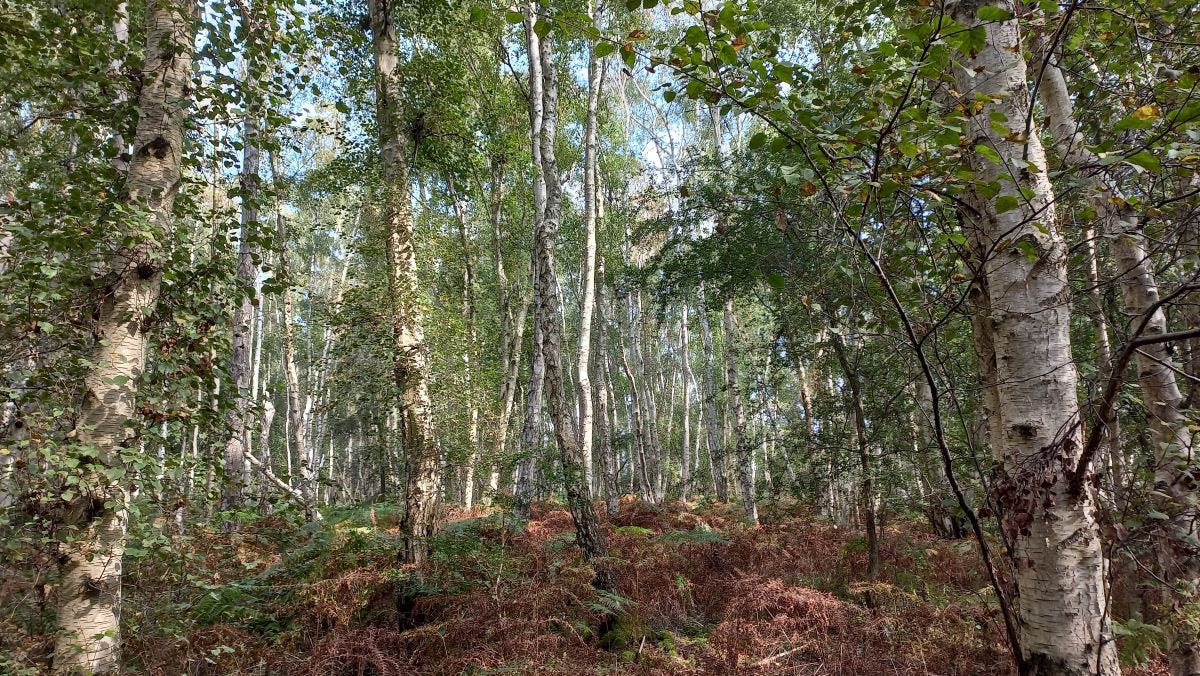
[(531, 430), (588, 303), (1057, 549), (546, 290), (742, 449), (1156, 364), (410, 362), (716, 452), (237, 445), (89, 607)]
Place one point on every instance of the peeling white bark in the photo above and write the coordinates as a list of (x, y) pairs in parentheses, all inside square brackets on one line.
[(1155, 362), (1059, 560)]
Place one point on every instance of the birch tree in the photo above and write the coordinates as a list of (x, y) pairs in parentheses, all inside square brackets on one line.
[(410, 362), (89, 607), (587, 531), (1156, 364), (588, 302), (1059, 560)]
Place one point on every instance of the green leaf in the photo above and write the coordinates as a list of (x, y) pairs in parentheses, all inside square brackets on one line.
[(341, 107), (514, 17), (603, 49), (1133, 122), (542, 28), (908, 149), (628, 55), (757, 141), (988, 152), (968, 42), (1006, 203), (1028, 249), (1144, 159), (993, 13)]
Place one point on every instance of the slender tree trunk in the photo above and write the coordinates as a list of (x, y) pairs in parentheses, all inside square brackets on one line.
[(637, 421), (743, 450), (470, 351), (531, 431), (337, 283), (89, 607), (1057, 549), (1114, 457), (1172, 463), (587, 531), (304, 452), (237, 445), (604, 426), (410, 367), (264, 440), (715, 449), (861, 441), (771, 408), (643, 356), (583, 375), (512, 330), (685, 358)]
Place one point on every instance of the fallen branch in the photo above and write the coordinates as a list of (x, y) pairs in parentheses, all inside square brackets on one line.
[(775, 658), (282, 485)]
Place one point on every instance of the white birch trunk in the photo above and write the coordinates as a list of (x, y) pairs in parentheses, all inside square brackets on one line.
[(715, 450), (546, 289), (685, 358), (89, 607), (531, 430), (236, 446), (1057, 549), (470, 350), (410, 367), (742, 449), (1155, 362), (582, 371)]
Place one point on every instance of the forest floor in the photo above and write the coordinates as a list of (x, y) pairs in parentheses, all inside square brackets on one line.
[(697, 592)]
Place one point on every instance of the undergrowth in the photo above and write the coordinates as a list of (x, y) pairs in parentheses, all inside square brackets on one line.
[(697, 592)]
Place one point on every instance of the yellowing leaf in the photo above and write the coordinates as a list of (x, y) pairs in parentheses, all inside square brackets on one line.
[(1147, 112)]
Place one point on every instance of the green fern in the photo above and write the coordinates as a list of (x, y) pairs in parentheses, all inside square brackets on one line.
[(700, 535)]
